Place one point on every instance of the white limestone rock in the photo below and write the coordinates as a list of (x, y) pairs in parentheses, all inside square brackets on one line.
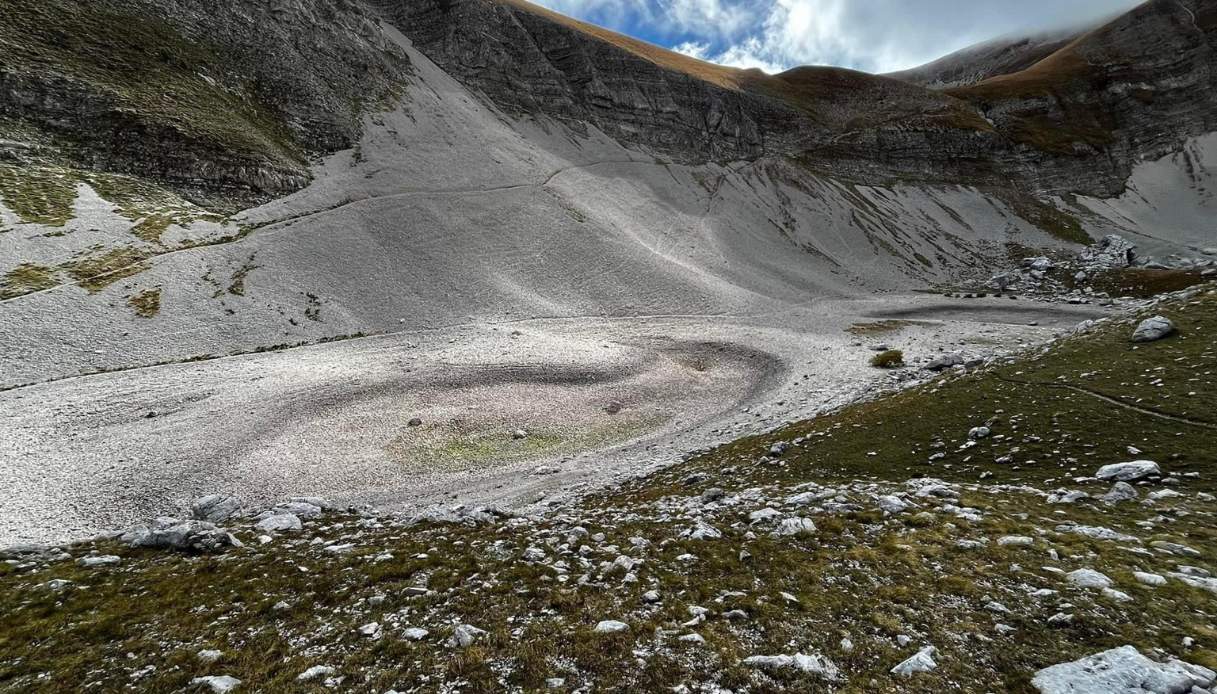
[(810, 664), (1122, 670), (922, 661), (1128, 472)]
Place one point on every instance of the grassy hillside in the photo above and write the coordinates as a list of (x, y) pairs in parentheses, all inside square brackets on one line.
[(869, 572)]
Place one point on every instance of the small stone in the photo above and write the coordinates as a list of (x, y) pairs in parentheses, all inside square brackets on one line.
[(371, 630), (281, 523), (1152, 329), (795, 526), (315, 672), (102, 560), (172, 533), (217, 684), (1128, 472), (810, 664), (415, 634), (922, 661), (465, 635), (611, 626), (215, 508), (1149, 579), (1088, 578)]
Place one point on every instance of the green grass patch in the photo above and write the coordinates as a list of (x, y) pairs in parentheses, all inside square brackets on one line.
[(97, 271), (1141, 283), (1047, 217), (147, 303), (147, 68), (888, 359), (26, 278), (38, 195), (882, 327)]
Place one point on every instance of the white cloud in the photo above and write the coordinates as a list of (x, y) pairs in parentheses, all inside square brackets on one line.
[(693, 49), (872, 35), (709, 17), (749, 54)]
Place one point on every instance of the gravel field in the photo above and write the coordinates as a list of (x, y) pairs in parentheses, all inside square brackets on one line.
[(95, 453)]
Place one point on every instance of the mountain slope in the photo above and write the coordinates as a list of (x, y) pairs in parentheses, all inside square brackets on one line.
[(233, 97), (1109, 91), (511, 128), (555, 224), (528, 163), (988, 59)]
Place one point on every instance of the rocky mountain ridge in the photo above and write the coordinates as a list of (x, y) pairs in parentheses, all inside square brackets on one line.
[(232, 97), (299, 90)]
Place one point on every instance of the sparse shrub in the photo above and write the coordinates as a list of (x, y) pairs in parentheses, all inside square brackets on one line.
[(888, 359)]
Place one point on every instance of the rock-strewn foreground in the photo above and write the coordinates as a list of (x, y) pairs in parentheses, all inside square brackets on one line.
[(978, 533)]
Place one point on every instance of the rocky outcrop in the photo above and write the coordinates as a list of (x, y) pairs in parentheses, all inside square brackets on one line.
[(531, 62), (1123, 669), (1133, 89), (232, 95), (238, 96), (1075, 121)]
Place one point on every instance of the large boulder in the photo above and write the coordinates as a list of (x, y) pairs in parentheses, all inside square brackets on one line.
[(186, 535), (945, 362), (1152, 329), (1122, 671), (280, 523), (215, 508), (1038, 264), (1112, 251), (299, 508), (1120, 491), (1129, 472)]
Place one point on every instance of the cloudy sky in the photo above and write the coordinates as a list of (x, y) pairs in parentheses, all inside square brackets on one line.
[(871, 35)]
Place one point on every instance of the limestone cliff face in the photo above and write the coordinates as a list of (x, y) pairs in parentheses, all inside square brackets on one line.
[(530, 62), (1133, 89), (1073, 121), (226, 94), (237, 96)]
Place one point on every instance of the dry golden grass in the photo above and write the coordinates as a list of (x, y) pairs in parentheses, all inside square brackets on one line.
[(818, 90), (726, 77)]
